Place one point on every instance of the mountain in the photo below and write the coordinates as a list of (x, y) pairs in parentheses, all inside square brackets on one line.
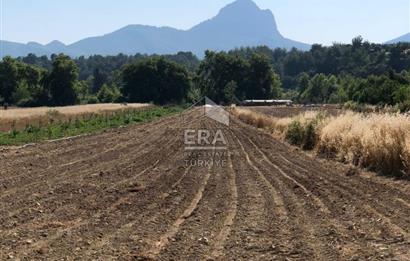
[(403, 38), (56, 47), (239, 24)]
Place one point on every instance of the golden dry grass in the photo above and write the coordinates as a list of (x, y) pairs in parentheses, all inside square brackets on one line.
[(380, 142), (19, 118), (276, 125), (376, 141)]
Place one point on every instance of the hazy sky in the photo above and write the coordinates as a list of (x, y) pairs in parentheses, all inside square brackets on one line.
[(310, 21)]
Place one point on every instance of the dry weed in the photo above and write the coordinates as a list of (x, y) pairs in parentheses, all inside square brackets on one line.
[(377, 141), (19, 118)]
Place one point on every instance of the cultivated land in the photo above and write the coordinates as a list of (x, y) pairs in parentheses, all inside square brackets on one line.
[(127, 193)]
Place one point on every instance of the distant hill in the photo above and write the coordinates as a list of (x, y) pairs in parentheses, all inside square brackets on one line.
[(403, 38), (239, 24)]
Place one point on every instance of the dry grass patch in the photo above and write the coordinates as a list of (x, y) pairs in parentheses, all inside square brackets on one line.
[(278, 126), (379, 142), (20, 118)]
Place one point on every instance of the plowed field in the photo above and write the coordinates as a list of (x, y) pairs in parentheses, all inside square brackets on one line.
[(129, 194)]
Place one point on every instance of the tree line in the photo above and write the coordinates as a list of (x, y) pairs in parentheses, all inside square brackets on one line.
[(386, 89), (360, 72), (60, 80), (359, 59)]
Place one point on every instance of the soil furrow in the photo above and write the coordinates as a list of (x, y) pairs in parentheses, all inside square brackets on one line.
[(365, 230), (220, 240)]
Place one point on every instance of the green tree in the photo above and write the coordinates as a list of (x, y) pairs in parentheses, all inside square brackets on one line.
[(229, 92), (155, 80), (9, 78), (254, 78), (108, 94), (217, 70), (21, 95), (34, 77), (62, 81), (357, 42), (194, 94), (303, 82), (263, 83), (315, 92), (83, 91), (98, 80), (402, 94)]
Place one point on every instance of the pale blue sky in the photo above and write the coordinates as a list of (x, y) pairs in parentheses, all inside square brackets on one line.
[(310, 21)]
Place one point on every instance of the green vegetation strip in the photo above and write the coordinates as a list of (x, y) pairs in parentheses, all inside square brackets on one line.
[(93, 124)]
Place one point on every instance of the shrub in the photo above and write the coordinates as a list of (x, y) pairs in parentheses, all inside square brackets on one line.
[(92, 100), (108, 94), (53, 115), (404, 106), (32, 129), (351, 105), (14, 133), (309, 137), (295, 133), (25, 103)]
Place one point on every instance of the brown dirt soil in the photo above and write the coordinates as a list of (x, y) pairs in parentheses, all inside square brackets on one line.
[(127, 194)]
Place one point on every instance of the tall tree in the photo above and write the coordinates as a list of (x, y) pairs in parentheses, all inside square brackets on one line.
[(254, 78), (98, 80), (315, 92), (8, 78), (219, 69), (155, 80), (263, 81), (62, 81)]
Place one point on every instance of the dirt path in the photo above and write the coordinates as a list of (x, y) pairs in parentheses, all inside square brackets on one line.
[(129, 194)]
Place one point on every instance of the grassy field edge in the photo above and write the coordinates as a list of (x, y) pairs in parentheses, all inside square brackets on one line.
[(94, 123)]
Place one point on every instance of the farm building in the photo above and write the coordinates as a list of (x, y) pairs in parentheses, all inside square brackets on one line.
[(267, 102)]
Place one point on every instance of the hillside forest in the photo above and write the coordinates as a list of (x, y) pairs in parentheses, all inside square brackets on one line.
[(359, 72)]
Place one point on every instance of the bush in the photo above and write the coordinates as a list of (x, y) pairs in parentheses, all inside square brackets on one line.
[(310, 136), (26, 103), (364, 108), (404, 106), (295, 133), (108, 94), (14, 133), (32, 129), (302, 135), (92, 100), (351, 105)]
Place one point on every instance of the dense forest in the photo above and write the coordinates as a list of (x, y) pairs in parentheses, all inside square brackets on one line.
[(359, 72)]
